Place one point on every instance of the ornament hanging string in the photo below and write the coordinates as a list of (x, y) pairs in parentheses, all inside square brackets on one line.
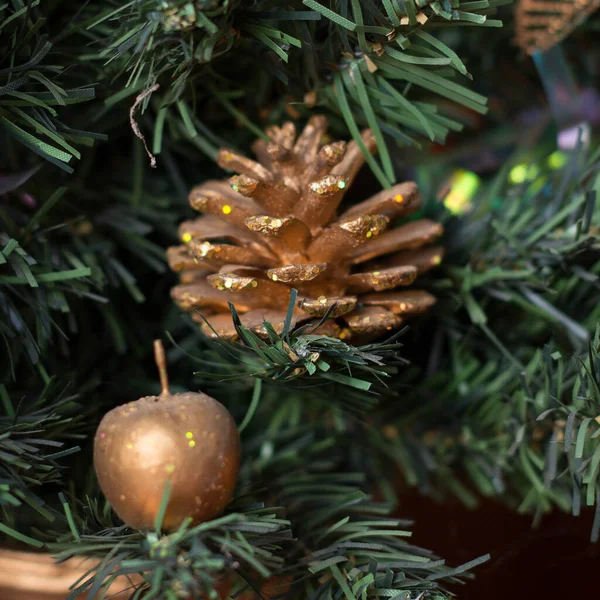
[(133, 123)]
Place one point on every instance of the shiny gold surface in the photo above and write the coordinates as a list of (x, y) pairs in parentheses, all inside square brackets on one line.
[(274, 197), (202, 296), (354, 158), (217, 255), (402, 200), (188, 440), (277, 226), (423, 259), (406, 237), (372, 319), (346, 237), (384, 279), (321, 200), (295, 274), (410, 302), (286, 235), (211, 227), (329, 156), (179, 259), (318, 307)]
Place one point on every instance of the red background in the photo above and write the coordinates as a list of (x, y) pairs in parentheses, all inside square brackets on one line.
[(554, 561)]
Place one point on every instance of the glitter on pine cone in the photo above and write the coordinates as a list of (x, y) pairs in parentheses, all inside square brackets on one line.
[(275, 227)]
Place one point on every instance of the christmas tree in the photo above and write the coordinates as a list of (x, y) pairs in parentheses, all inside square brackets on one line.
[(274, 275)]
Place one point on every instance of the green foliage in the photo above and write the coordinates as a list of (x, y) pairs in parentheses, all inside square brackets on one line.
[(500, 397), (369, 64), (31, 445), (533, 246), (190, 561), (299, 356), (50, 269), (529, 437), (33, 97), (323, 525), (490, 418)]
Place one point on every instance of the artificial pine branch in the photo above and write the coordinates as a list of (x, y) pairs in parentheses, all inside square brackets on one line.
[(36, 92), (489, 417), (372, 64), (299, 356), (53, 259), (35, 429), (325, 535), (464, 412), (233, 550)]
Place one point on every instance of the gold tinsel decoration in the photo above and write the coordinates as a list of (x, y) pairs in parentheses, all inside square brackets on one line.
[(276, 227), (541, 24)]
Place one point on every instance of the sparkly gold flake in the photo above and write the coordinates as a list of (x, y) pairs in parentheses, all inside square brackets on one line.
[(322, 299), (267, 225), (191, 443), (186, 237), (204, 250), (367, 225), (399, 198), (226, 209), (170, 468), (327, 185), (295, 273), (129, 446), (244, 184), (436, 260), (199, 203), (189, 435), (234, 283)]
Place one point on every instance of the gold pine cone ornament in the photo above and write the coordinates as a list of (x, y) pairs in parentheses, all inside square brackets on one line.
[(277, 226)]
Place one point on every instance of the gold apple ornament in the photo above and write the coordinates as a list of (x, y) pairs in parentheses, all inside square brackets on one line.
[(187, 440)]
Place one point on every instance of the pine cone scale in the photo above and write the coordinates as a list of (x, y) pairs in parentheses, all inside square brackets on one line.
[(400, 201), (406, 237)]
